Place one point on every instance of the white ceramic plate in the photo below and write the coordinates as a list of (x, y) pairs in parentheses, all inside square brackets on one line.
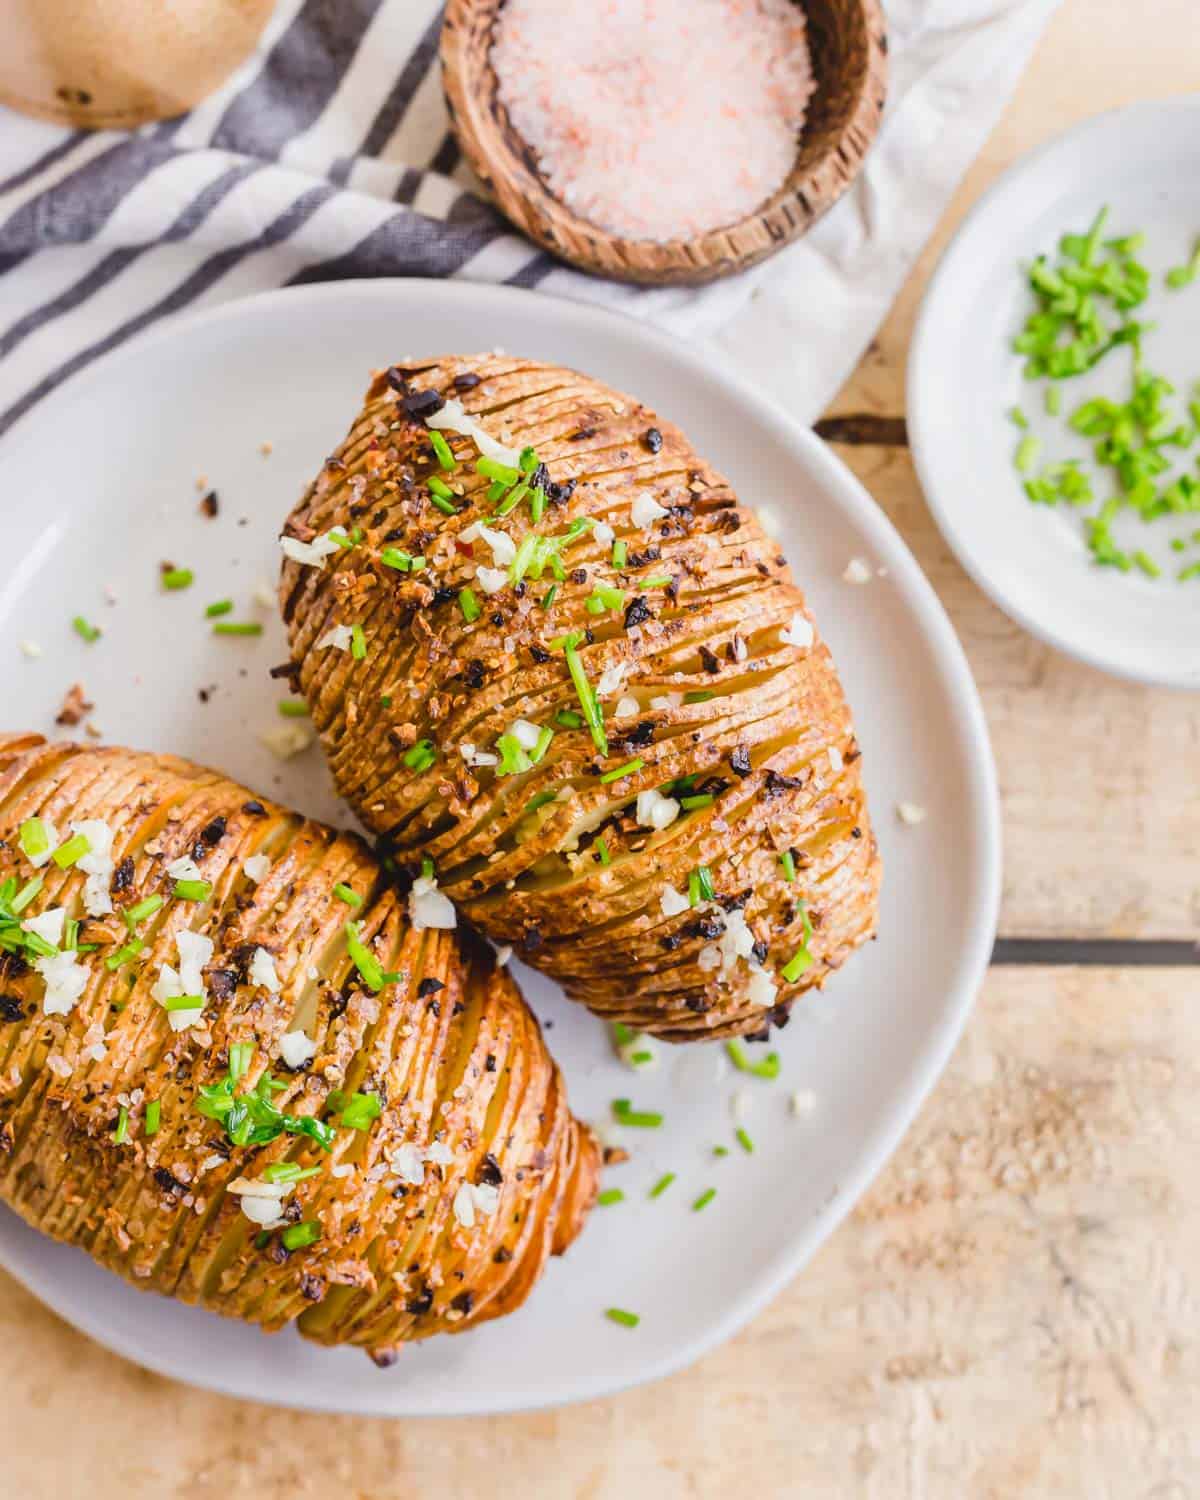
[(100, 480), (1144, 162)]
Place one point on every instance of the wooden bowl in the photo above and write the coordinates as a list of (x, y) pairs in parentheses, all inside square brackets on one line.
[(849, 56)]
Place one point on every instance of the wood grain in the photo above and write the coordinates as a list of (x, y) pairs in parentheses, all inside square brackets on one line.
[(1012, 1311)]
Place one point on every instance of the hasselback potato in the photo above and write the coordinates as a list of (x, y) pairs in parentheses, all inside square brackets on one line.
[(234, 1070), (548, 650)]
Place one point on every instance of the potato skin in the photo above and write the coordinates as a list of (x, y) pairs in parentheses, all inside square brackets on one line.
[(450, 1047), (758, 721)]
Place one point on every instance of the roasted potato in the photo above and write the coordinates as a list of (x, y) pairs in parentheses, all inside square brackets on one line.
[(548, 650), (235, 1070)]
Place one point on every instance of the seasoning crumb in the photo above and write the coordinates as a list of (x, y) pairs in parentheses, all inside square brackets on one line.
[(75, 706), (31, 649), (911, 813), (857, 571), (210, 505), (266, 449)]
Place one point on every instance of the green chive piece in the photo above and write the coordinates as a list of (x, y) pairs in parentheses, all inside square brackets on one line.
[(545, 735), (143, 909), (240, 1055), (129, 950), (358, 643), (587, 698), (33, 838), (1018, 418), (153, 1116), (193, 890), (796, 965), (548, 598), (540, 799), (619, 1315), (720, 1150), (89, 633), (288, 1171), (625, 1114), (568, 718), (609, 1195), (344, 893), (496, 491), (121, 1133), (368, 966), (601, 848), (441, 448), (700, 886), (704, 1200), (788, 860), (528, 461), (659, 581), (71, 852), (620, 554), (184, 1002), (447, 507), (628, 769), (537, 503), (360, 1111), (427, 868), (490, 468), (513, 499), (297, 1236), (440, 488), (701, 799), (421, 756), (292, 708), (469, 605), (699, 697), (744, 1141), (249, 627), (767, 1067), (1147, 564), (1053, 400), (396, 558), (663, 1183), (1026, 455), (178, 578), (218, 608)]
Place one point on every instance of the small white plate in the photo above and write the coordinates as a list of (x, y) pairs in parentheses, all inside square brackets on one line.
[(1144, 162), (101, 485)]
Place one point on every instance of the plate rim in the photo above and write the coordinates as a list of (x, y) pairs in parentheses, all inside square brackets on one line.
[(920, 397), (952, 672)]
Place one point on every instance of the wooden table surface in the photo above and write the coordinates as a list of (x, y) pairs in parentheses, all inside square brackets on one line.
[(1012, 1309)]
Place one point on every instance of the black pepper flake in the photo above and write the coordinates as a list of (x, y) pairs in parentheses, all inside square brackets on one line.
[(696, 1003), (395, 535), (640, 734), (739, 761), (384, 1359), (559, 494), (502, 1256), (254, 809), (489, 1063), (312, 1288), (580, 433), (856, 833), (429, 987), (474, 673), (464, 1302), (222, 982), (443, 595), (497, 618), (777, 783), (419, 1306), (643, 559), (539, 654), (214, 832), (422, 404), (434, 1007), (210, 505), (397, 379), (637, 612), (489, 1174), (652, 440), (760, 950), (168, 1182), (123, 875), (467, 381), (11, 1008), (578, 575), (531, 940), (672, 941), (710, 660)]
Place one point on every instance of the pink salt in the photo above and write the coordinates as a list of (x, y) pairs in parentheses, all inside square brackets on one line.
[(657, 119)]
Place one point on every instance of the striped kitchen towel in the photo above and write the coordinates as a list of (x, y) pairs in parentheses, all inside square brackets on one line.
[(328, 154)]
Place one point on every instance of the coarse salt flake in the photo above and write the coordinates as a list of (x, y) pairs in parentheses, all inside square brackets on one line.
[(339, 637), (645, 510), (257, 867), (428, 907), (262, 971), (309, 554), (296, 1048), (654, 810), (798, 633)]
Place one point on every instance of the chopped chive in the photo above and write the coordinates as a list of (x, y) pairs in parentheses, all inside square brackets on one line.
[(358, 643), (72, 851), (548, 597), (297, 1236), (619, 1315), (292, 708), (659, 581), (796, 965), (1026, 455), (601, 848), (395, 557), (528, 461), (537, 503), (627, 769), (545, 735), (447, 507), (523, 557), (368, 966), (605, 597), (496, 491), (240, 1055), (129, 950), (249, 627), (1147, 564), (440, 488), (609, 1195), (121, 1133), (427, 868), (178, 578), (788, 860), (89, 633), (288, 1171), (620, 554), (218, 608), (469, 605), (1053, 400), (421, 756), (143, 909), (704, 1200), (700, 886), (701, 799), (587, 698), (642, 1056), (514, 498), (568, 718), (514, 758), (491, 468), (720, 1150), (744, 1141), (184, 1002), (540, 799), (625, 1114), (33, 838), (442, 449), (344, 893), (767, 1067), (699, 697), (193, 890), (663, 1183), (360, 1111), (153, 1116)]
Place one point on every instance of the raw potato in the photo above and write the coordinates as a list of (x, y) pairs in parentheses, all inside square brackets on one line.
[(767, 730), (450, 1048)]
